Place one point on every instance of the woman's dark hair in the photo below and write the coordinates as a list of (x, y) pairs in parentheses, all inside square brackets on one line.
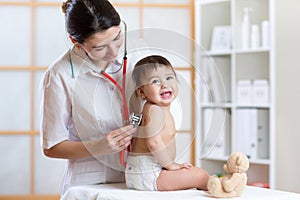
[(143, 66), (86, 17)]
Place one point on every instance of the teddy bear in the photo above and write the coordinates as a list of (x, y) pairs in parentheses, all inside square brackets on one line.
[(234, 182)]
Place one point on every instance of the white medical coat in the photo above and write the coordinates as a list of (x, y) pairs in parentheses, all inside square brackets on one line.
[(83, 108)]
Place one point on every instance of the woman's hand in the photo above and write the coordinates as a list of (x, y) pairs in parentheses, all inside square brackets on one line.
[(113, 142), (119, 139), (176, 166)]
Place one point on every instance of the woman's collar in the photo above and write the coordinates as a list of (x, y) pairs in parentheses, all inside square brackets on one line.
[(90, 68)]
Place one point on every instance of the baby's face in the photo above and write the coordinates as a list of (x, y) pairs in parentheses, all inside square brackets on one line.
[(160, 86)]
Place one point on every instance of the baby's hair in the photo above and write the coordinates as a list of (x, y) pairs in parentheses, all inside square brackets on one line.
[(149, 63)]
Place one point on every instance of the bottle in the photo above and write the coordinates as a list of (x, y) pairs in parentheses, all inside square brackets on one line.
[(245, 29), (265, 34), (255, 36)]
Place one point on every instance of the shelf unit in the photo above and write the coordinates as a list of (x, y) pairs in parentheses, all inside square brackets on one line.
[(218, 72)]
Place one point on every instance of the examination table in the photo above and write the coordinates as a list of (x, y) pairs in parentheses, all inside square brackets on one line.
[(119, 191)]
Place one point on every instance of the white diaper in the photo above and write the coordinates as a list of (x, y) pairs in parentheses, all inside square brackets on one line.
[(141, 172)]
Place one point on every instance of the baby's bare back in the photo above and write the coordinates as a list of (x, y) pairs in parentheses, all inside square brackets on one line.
[(166, 132)]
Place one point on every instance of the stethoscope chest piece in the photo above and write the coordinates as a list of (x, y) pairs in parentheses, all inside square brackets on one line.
[(135, 119)]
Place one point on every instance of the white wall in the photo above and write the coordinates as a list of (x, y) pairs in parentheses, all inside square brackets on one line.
[(288, 95), (32, 45)]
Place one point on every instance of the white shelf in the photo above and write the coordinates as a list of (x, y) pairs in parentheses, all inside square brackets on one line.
[(231, 105), (218, 53), (252, 161), (237, 51), (260, 161), (258, 50), (232, 65), (213, 1), (266, 106), (217, 158), (216, 105)]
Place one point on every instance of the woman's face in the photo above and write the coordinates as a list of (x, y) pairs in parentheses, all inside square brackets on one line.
[(104, 46)]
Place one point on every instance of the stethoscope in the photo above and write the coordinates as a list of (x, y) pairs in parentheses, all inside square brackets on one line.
[(133, 119)]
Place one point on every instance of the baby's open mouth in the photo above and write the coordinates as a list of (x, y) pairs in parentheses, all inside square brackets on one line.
[(166, 94)]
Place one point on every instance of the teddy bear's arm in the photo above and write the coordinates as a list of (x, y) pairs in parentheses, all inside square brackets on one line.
[(215, 188), (231, 183)]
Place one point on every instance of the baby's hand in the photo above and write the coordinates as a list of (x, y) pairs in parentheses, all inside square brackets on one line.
[(176, 166), (186, 165)]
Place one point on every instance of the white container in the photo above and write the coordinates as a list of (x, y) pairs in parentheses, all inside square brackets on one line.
[(260, 92), (216, 127), (252, 133), (265, 34), (244, 92), (262, 134), (255, 36), (245, 29), (204, 92)]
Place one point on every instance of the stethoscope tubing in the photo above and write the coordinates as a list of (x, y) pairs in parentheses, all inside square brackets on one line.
[(120, 88), (125, 107)]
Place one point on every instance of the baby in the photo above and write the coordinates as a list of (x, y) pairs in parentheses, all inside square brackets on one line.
[(150, 165)]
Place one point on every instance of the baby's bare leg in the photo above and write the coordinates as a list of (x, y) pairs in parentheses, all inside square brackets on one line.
[(182, 179)]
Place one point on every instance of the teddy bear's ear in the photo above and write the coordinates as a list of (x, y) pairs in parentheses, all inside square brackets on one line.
[(225, 167), (239, 163), (239, 160)]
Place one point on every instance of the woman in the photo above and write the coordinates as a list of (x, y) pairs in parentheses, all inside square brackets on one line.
[(81, 110)]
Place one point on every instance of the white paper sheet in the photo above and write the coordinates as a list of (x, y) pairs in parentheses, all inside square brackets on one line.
[(120, 192)]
